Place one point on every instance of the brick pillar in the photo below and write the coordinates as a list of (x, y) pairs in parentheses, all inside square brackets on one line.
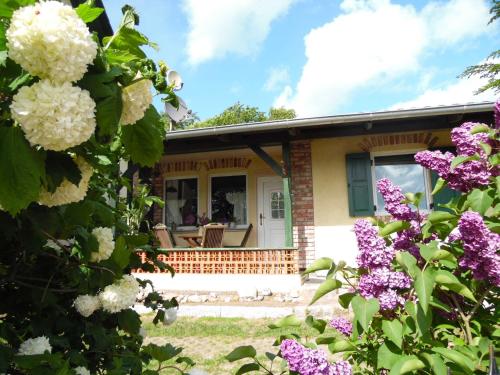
[(302, 201), (157, 189)]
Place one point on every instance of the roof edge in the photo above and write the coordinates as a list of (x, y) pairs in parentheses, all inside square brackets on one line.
[(333, 120)]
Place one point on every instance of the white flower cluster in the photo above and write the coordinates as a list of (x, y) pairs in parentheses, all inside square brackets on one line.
[(68, 192), (54, 116), (120, 295), (170, 316), (106, 244), (38, 345), (87, 304), (80, 370), (196, 371), (49, 40), (136, 99)]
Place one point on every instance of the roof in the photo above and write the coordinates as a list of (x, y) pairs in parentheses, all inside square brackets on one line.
[(270, 133)]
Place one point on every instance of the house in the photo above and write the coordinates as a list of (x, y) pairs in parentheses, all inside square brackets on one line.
[(301, 183)]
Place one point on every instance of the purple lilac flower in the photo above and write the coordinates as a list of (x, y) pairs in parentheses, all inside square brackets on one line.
[(393, 197), (342, 325), (307, 361), (390, 300), (464, 177), (405, 240), (386, 286), (342, 368), (468, 144), (373, 252), (481, 248)]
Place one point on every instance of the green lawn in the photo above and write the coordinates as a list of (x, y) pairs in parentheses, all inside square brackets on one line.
[(208, 340)]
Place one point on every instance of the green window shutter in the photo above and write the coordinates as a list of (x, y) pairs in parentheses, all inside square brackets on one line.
[(446, 194), (359, 184)]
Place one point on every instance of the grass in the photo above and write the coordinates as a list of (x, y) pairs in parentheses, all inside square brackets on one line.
[(208, 340)]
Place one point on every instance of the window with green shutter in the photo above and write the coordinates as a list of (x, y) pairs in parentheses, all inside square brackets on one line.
[(359, 184)]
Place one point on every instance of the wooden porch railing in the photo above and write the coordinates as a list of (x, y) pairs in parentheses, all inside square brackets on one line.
[(284, 261)]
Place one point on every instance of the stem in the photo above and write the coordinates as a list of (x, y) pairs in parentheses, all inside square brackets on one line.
[(160, 367), (479, 302), (466, 319), (261, 365)]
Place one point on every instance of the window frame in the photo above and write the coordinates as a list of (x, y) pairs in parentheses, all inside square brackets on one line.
[(427, 179), (209, 197), (173, 178)]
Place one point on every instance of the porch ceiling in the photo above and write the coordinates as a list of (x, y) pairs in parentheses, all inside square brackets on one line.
[(275, 133)]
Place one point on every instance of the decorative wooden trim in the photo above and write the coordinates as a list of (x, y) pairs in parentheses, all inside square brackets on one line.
[(179, 166), (230, 261), (221, 163), (397, 139)]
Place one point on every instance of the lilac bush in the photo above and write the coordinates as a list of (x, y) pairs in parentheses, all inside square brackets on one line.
[(424, 294)]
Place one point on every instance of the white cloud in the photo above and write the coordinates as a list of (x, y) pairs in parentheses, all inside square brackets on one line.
[(219, 27), (278, 77), (458, 92), (376, 41)]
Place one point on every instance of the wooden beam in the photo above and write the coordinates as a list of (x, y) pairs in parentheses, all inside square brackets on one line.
[(275, 166), (287, 194)]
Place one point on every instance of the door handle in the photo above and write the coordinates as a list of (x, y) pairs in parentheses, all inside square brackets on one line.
[(261, 217)]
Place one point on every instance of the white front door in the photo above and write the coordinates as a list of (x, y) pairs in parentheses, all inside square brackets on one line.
[(271, 212)]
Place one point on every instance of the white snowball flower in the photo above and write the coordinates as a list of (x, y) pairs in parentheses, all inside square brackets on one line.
[(54, 116), (38, 345), (87, 304), (80, 370), (170, 316), (49, 40), (68, 192), (136, 99), (106, 244), (120, 295)]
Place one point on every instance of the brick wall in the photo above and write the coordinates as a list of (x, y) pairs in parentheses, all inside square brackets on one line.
[(302, 201), (158, 191)]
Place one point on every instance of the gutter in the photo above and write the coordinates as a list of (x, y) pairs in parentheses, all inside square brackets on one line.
[(337, 120)]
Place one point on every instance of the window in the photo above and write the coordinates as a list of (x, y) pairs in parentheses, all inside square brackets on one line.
[(403, 171), (181, 202), (277, 205), (229, 199)]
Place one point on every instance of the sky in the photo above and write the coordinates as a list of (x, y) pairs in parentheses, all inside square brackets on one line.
[(318, 57)]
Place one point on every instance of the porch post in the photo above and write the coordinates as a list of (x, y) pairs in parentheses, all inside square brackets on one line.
[(287, 194)]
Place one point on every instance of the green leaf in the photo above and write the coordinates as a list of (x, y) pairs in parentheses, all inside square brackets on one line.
[(319, 265), (457, 358), (421, 319), (395, 226), (88, 13), (408, 262), (129, 321), (434, 362), (326, 287), (59, 166), (462, 159), (287, 321), (241, 352), (345, 299), (440, 216), (21, 170), (480, 128), (162, 353), (121, 253), (450, 281), (108, 112), (318, 324), (340, 346), (144, 140), (388, 355), (364, 310), (393, 329), (440, 184), (7, 7), (480, 200), (407, 364), (249, 367)]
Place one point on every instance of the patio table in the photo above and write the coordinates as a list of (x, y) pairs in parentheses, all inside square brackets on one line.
[(193, 240)]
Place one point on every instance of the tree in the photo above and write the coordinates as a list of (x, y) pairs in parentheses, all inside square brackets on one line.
[(491, 68), (242, 114), (281, 113)]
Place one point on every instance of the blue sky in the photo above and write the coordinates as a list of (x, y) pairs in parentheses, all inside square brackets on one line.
[(316, 56)]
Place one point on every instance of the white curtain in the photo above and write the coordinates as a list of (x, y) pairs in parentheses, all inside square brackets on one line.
[(238, 200)]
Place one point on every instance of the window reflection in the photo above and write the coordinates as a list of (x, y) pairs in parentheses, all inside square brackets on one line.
[(181, 202), (229, 199)]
